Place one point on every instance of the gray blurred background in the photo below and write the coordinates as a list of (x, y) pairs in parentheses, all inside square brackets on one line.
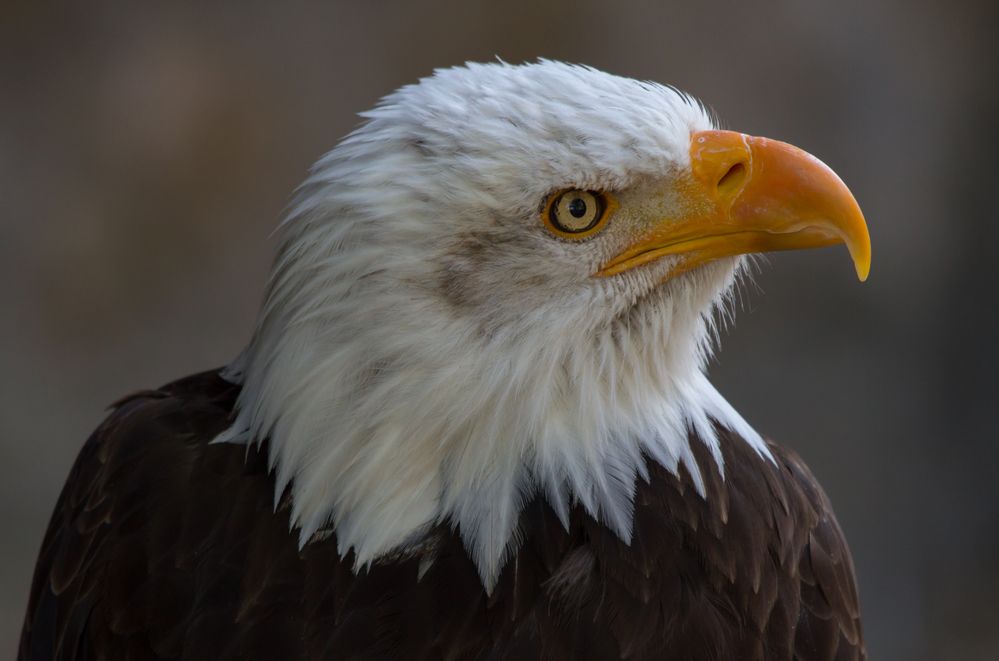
[(145, 156)]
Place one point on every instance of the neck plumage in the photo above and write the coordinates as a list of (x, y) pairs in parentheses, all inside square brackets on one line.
[(387, 413), (383, 448)]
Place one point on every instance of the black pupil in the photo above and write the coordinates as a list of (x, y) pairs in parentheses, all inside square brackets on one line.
[(577, 208)]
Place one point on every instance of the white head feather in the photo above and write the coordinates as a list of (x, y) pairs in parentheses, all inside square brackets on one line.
[(429, 353)]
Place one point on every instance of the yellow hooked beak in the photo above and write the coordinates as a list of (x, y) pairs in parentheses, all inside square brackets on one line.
[(752, 195)]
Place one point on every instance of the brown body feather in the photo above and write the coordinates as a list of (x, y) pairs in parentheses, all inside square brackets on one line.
[(163, 546)]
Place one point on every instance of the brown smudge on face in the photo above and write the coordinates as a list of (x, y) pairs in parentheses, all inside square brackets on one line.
[(458, 265), (453, 284), (470, 265)]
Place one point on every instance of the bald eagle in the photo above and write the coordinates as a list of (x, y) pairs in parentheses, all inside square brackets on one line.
[(473, 421)]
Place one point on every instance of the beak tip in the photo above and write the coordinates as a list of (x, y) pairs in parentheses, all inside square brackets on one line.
[(863, 266), (858, 242)]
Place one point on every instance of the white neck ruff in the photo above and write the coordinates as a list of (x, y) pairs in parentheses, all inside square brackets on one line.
[(386, 418)]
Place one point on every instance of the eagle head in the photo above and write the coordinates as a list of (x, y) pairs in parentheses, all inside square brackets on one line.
[(502, 287)]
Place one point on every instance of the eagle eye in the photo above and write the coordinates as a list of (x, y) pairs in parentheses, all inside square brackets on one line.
[(576, 214)]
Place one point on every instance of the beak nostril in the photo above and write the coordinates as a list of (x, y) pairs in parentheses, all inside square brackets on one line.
[(731, 181)]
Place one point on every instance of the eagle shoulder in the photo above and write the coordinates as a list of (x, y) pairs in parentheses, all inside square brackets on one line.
[(115, 567), (754, 568), (829, 624)]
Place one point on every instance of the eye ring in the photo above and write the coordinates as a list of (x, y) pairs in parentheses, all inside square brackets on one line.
[(576, 214)]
